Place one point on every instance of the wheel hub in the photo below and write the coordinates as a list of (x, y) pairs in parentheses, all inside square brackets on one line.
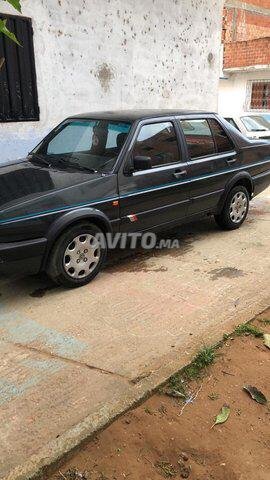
[(238, 207), (81, 256)]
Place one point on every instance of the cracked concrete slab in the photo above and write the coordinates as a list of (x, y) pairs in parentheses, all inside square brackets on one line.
[(73, 360)]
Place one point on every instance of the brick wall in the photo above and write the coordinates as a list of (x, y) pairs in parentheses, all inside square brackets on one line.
[(240, 25), (242, 54), (259, 3), (243, 23)]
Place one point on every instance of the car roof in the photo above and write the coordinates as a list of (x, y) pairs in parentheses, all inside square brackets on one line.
[(133, 115)]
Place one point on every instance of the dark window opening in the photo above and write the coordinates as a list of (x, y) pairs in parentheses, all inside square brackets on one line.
[(198, 137), (232, 122), (18, 89), (222, 141)]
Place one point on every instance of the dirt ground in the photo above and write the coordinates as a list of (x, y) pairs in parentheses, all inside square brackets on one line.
[(166, 437)]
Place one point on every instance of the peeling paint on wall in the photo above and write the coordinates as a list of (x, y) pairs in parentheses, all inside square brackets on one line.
[(105, 75)]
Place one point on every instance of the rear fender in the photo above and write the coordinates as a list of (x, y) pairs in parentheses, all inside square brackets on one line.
[(241, 178)]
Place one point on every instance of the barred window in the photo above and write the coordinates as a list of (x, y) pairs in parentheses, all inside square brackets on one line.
[(260, 95), (18, 89)]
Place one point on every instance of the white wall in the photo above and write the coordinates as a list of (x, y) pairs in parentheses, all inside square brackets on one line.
[(233, 91), (100, 54)]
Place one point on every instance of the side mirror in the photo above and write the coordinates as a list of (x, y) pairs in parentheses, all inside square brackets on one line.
[(141, 163)]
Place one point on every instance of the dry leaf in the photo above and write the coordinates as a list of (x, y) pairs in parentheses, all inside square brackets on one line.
[(223, 415), (266, 339), (256, 394)]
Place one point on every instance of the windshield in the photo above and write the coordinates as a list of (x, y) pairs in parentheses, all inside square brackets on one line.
[(255, 123), (92, 145)]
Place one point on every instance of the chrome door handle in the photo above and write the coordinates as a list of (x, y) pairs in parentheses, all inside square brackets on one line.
[(231, 161), (180, 173)]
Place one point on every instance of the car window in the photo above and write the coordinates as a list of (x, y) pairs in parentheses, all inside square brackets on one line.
[(159, 142), (232, 122), (74, 137), (93, 144), (254, 124), (199, 137), (223, 142)]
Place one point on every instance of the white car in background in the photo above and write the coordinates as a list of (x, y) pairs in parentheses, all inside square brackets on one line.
[(252, 125)]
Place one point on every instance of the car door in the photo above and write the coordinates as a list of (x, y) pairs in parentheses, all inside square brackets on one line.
[(157, 195), (212, 158)]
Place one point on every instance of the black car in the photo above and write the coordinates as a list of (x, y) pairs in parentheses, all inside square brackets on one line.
[(126, 171)]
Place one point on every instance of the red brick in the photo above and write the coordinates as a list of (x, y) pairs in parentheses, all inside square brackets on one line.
[(241, 26), (247, 53)]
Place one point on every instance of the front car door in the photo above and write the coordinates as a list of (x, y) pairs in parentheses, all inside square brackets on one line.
[(212, 157), (155, 196)]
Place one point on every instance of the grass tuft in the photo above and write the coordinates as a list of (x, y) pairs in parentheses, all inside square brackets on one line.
[(248, 329), (265, 321), (177, 385), (205, 357)]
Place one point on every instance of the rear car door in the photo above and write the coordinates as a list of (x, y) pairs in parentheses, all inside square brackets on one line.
[(155, 196), (212, 158)]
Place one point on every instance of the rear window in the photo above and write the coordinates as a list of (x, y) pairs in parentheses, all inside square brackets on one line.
[(199, 137), (222, 141)]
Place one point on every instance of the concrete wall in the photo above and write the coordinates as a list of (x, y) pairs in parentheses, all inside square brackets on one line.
[(233, 91), (100, 54)]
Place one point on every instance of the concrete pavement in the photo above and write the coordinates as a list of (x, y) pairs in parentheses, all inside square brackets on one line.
[(73, 360)]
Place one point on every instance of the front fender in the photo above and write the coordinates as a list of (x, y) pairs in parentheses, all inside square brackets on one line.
[(69, 218)]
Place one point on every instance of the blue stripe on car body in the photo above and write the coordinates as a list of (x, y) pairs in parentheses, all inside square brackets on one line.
[(135, 192)]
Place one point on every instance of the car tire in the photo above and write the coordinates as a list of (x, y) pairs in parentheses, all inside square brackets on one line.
[(77, 256), (235, 209)]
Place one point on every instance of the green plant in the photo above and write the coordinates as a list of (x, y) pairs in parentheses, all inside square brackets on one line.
[(3, 27), (248, 329), (177, 385), (265, 321), (205, 357)]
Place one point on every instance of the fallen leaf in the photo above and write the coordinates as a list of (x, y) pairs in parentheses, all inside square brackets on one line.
[(256, 394), (223, 415), (167, 470), (266, 339)]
